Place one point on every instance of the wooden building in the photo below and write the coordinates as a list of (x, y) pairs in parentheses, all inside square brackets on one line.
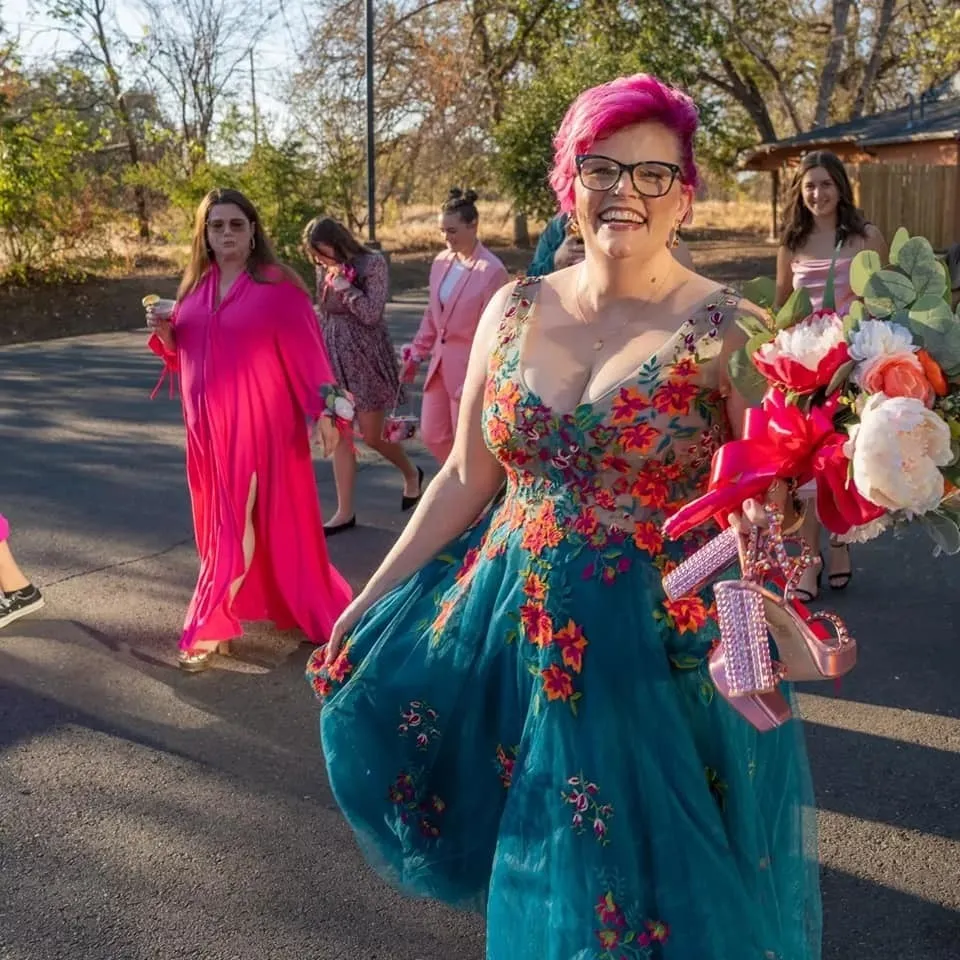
[(904, 165)]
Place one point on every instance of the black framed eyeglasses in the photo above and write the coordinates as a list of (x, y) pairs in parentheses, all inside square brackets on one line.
[(650, 178)]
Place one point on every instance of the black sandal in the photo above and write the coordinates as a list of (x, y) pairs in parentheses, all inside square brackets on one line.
[(805, 596), (408, 503), (840, 580)]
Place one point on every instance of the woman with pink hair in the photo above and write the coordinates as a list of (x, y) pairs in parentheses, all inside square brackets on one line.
[(514, 716)]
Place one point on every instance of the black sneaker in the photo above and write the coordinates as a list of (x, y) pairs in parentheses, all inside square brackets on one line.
[(19, 603)]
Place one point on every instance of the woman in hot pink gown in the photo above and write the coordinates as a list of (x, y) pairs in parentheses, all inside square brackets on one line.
[(254, 374)]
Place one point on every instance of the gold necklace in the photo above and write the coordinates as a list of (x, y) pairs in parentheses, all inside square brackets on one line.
[(599, 342)]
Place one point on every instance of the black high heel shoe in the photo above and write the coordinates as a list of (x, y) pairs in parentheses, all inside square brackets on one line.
[(840, 580), (336, 528), (408, 503)]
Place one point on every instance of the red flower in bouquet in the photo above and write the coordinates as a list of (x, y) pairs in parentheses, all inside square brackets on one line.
[(804, 357), (840, 506)]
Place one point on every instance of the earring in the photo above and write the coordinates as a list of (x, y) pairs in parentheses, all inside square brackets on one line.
[(675, 237), (573, 226), (253, 242)]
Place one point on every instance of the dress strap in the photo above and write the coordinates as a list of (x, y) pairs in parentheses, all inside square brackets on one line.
[(518, 308)]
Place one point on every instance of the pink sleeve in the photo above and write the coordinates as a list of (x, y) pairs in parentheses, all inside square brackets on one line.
[(302, 352), (368, 304), (171, 364)]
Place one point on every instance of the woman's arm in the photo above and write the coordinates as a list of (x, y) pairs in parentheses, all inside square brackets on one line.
[(302, 352), (466, 482), (784, 276), (426, 335), (367, 305), (874, 240)]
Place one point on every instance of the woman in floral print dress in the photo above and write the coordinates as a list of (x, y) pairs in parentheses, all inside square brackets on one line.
[(514, 718)]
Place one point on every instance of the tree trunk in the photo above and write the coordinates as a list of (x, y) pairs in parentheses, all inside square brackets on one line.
[(884, 19), (748, 95), (521, 230), (828, 79), (126, 121)]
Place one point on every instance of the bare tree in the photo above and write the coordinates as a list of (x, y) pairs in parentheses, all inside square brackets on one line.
[(831, 67), (878, 51), (92, 24), (197, 49)]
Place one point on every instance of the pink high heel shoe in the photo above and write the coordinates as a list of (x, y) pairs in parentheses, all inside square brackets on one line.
[(748, 612), (706, 564)]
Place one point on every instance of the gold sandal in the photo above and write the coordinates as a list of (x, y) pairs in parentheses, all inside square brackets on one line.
[(196, 661)]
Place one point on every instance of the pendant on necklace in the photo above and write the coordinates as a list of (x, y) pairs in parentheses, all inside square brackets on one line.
[(597, 344)]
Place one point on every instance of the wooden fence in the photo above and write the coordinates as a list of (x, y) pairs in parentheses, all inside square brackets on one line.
[(922, 198)]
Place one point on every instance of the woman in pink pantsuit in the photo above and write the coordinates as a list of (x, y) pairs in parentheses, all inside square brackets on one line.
[(253, 375), (463, 280)]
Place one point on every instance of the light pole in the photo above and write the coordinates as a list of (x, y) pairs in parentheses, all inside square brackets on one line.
[(371, 146)]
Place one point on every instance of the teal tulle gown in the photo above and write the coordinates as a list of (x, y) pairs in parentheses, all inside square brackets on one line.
[(527, 727)]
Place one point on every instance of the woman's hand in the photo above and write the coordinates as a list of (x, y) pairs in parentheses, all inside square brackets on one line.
[(326, 435), (340, 282), (162, 327), (408, 372), (341, 629), (754, 514)]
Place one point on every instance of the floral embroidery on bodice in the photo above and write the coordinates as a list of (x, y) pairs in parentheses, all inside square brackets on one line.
[(624, 462)]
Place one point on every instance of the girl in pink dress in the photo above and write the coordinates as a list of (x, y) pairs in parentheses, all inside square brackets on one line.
[(254, 375), (823, 223)]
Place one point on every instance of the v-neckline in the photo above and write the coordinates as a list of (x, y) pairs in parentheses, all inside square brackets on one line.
[(219, 301), (628, 380)]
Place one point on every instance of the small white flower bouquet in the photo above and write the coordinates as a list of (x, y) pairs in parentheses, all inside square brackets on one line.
[(867, 405), (339, 405)]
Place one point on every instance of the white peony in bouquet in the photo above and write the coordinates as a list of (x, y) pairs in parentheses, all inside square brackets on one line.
[(867, 404)]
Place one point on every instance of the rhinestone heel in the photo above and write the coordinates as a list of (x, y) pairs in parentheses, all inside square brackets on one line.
[(691, 576), (741, 664)]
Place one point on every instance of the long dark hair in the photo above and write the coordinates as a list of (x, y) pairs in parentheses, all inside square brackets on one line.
[(798, 220), (262, 264), (462, 203), (333, 234)]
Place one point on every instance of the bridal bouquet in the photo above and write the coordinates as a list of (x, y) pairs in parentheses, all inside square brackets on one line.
[(867, 405)]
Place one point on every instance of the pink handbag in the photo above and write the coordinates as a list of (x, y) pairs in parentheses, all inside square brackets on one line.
[(397, 426)]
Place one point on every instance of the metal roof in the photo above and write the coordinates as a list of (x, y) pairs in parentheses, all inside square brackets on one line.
[(922, 120)]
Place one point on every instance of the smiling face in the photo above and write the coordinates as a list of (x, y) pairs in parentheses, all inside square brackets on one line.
[(623, 222), (229, 233), (460, 236), (820, 193)]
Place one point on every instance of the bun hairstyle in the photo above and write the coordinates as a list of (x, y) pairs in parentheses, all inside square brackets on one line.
[(463, 203)]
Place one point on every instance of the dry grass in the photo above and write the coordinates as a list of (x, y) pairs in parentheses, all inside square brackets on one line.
[(415, 229)]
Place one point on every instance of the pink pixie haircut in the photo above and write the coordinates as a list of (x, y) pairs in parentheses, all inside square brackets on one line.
[(601, 111)]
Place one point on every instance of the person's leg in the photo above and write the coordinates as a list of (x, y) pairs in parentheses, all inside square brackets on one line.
[(18, 596), (437, 420), (808, 588), (344, 477), (371, 431), (197, 657), (11, 576)]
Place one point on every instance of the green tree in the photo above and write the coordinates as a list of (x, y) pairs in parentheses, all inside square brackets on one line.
[(47, 205)]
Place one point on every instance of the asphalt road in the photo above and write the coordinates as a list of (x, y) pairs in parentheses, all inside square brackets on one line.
[(149, 814)]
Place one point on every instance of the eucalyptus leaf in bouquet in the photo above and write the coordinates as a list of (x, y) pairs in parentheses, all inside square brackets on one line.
[(867, 404)]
